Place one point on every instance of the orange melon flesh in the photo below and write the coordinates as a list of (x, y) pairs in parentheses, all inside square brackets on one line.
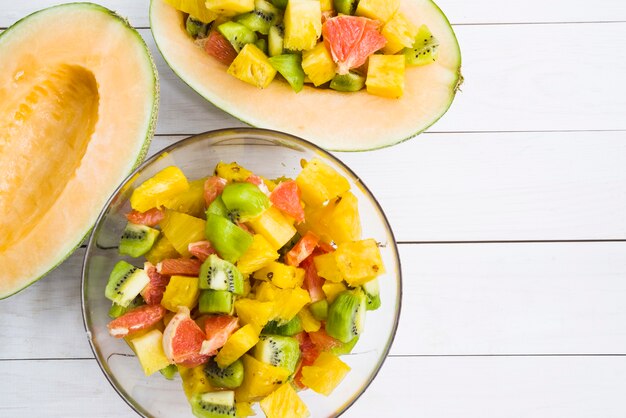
[(78, 104), (328, 118)]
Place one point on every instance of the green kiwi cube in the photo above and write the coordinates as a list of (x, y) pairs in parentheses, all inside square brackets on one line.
[(346, 7), (237, 34), (137, 239), (169, 372), (215, 301), (290, 67), (276, 40), (244, 200), (289, 329), (229, 377), (425, 49), (214, 404), (347, 82), (195, 28), (372, 294), (125, 282), (319, 309), (264, 15), (346, 315), (218, 274), (217, 207), (261, 43), (278, 350), (118, 310), (228, 239)]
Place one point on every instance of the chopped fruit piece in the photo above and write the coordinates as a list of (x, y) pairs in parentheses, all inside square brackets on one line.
[(309, 323), (290, 67), (281, 275), (252, 66), (337, 222), (323, 341), (179, 266), (278, 350), (164, 185), (182, 338), (229, 240), (289, 329), (319, 309), (258, 255), (230, 7), (218, 329), (161, 250), (284, 399), (194, 380), (346, 315), (318, 64), (201, 250), (237, 344), (325, 373), (261, 18), (214, 404), (381, 10), (137, 319), (213, 186), (218, 274), (125, 283), (244, 409), (348, 82), (312, 281), (189, 201), (229, 377), (360, 261), (254, 312), (303, 24), (244, 201), (309, 351), (277, 229), (399, 32), (288, 302), (302, 249), (152, 293), (232, 171), (425, 48), (215, 301), (259, 379), (180, 291), (149, 350), (385, 75), (151, 217), (286, 197), (319, 183), (137, 239), (182, 229), (372, 294), (195, 8), (222, 50), (326, 265), (195, 28), (331, 290), (351, 40)]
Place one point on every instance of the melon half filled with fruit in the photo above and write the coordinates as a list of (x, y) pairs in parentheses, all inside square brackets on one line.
[(344, 74)]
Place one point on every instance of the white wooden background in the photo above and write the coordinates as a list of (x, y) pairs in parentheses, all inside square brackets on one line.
[(510, 215)]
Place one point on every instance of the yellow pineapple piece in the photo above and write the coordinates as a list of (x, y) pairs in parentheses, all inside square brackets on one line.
[(254, 312), (318, 182), (359, 261), (232, 171), (182, 229), (153, 192), (258, 255), (252, 66), (190, 201), (230, 7), (244, 409), (338, 221), (149, 350), (283, 402), (331, 290), (195, 8), (303, 24), (309, 323), (281, 275), (381, 10), (325, 374), (259, 379), (287, 302), (274, 226), (327, 6), (161, 250), (385, 75), (194, 380), (318, 64), (237, 344), (180, 291), (399, 32), (326, 266)]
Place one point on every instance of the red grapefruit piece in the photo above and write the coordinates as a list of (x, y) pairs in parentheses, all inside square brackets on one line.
[(195, 360), (312, 282), (179, 266), (153, 292), (310, 353), (217, 330), (151, 217), (201, 250), (302, 249), (182, 338), (219, 47), (214, 185), (136, 319), (258, 181), (351, 40), (323, 341), (286, 197)]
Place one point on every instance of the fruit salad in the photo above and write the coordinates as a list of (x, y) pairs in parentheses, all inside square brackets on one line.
[(249, 288), (343, 45)]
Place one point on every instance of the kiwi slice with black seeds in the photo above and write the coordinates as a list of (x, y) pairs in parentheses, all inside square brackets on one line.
[(278, 350), (288, 329), (264, 15), (215, 301), (372, 294), (195, 28), (346, 315), (218, 274), (118, 310), (347, 82), (214, 404), (237, 34), (425, 49), (244, 199), (137, 239), (346, 7), (229, 377), (290, 67), (125, 283)]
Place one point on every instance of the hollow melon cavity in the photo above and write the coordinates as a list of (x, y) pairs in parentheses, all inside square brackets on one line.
[(78, 105), (330, 119)]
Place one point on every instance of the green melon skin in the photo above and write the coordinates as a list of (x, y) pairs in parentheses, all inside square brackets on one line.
[(329, 119), (69, 16)]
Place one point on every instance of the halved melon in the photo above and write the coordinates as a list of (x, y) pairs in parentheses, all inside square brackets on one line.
[(333, 120), (78, 106)]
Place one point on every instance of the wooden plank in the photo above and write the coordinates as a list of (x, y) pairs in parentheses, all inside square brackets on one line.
[(458, 11), (573, 387), (498, 186), (458, 299)]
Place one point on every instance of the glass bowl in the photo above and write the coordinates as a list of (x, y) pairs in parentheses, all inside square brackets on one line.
[(270, 154)]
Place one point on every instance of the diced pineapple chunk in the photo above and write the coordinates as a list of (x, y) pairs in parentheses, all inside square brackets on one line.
[(196, 8), (237, 344), (244, 409), (338, 221), (287, 302), (309, 323), (149, 350), (359, 262), (252, 66), (259, 379), (230, 7), (232, 171), (303, 24), (325, 374), (258, 255), (319, 182), (274, 226), (385, 75), (283, 402), (281, 275), (399, 32), (381, 10), (194, 380), (182, 229), (327, 5), (180, 291), (254, 312), (161, 250), (153, 192), (318, 64), (331, 290), (326, 266), (190, 201)]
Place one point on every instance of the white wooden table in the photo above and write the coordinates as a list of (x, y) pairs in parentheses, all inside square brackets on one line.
[(510, 214)]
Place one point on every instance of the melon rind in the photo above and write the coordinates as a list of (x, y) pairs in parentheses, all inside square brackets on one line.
[(333, 120), (67, 15)]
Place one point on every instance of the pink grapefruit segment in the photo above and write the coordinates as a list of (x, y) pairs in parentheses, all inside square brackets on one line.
[(201, 250), (214, 185), (135, 320), (153, 292), (182, 338), (217, 329), (151, 217), (286, 197), (179, 267)]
